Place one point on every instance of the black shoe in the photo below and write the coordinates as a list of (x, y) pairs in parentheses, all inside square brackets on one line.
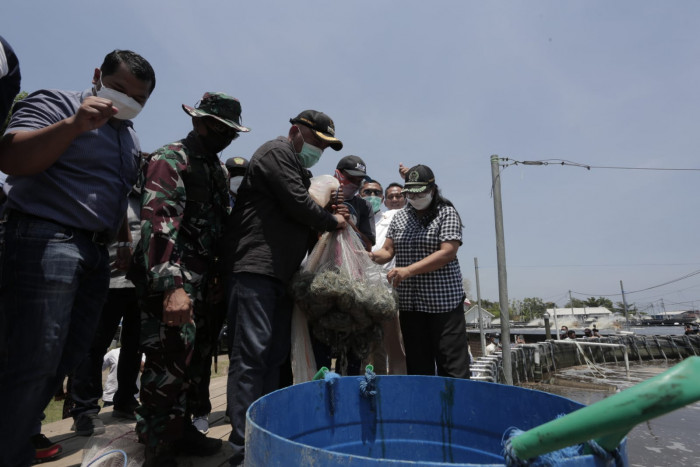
[(45, 449), (194, 443), (128, 412), (160, 456), (88, 424)]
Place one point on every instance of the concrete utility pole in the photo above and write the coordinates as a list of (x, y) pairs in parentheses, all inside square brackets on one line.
[(478, 304), (502, 276), (571, 302), (624, 303)]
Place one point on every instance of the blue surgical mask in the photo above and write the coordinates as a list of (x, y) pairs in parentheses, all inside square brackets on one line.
[(309, 155), (376, 203)]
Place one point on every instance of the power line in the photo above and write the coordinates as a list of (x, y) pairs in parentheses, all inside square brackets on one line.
[(563, 162), (690, 274)]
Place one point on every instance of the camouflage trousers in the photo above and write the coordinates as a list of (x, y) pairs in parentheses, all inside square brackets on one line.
[(175, 380)]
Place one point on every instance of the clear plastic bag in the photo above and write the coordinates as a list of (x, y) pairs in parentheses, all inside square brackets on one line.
[(344, 295), (117, 447)]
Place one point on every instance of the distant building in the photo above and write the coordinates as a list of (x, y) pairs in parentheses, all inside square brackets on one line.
[(669, 318), (472, 317), (584, 314)]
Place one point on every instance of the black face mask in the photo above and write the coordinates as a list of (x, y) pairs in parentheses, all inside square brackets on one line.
[(215, 142)]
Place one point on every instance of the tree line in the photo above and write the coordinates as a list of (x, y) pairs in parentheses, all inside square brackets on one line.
[(534, 307)]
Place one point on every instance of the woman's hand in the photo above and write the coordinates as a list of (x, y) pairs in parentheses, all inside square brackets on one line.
[(397, 275)]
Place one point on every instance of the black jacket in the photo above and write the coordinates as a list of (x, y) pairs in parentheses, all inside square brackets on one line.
[(274, 216)]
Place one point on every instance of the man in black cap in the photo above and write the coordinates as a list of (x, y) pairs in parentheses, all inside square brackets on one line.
[(268, 235), (351, 172)]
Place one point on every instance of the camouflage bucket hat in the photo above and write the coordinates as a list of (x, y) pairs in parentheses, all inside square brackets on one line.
[(221, 106)]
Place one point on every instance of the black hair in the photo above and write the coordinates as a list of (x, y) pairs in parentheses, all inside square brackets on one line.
[(437, 201), (369, 180), (391, 185), (136, 64)]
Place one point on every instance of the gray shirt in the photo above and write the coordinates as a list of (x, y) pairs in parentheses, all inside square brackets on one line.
[(87, 186)]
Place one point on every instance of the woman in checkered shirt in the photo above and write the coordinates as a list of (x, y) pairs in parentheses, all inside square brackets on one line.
[(424, 237)]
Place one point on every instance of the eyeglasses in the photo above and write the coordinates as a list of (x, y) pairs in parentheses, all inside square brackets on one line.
[(410, 195), (369, 192), (221, 128)]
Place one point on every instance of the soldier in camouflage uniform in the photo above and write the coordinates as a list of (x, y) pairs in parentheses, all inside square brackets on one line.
[(184, 202)]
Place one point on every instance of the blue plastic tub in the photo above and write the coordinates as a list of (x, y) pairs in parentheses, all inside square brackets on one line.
[(412, 420)]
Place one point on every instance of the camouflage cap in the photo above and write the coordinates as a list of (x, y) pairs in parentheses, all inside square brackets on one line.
[(221, 106)]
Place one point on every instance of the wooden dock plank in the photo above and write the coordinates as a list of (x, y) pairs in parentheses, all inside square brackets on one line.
[(74, 445)]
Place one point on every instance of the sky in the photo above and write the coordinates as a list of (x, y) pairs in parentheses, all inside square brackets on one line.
[(447, 84)]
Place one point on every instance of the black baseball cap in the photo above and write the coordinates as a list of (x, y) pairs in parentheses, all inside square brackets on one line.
[(236, 164), (418, 179), (353, 165), (321, 124)]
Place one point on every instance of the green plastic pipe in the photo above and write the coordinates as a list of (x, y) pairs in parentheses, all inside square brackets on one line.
[(608, 421)]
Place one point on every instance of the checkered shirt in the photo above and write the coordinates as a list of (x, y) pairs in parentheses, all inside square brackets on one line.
[(439, 291)]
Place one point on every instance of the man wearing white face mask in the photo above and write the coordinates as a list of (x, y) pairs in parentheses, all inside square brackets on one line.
[(71, 160)]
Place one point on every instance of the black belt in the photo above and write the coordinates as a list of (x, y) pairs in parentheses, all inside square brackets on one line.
[(99, 238)]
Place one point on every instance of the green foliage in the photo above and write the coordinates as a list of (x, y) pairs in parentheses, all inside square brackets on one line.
[(492, 307), (575, 303), (631, 308), (600, 301)]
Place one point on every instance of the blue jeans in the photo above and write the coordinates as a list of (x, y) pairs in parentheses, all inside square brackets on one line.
[(260, 318), (53, 284)]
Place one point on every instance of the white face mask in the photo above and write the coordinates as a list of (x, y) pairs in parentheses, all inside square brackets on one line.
[(127, 106), (421, 203), (235, 183)]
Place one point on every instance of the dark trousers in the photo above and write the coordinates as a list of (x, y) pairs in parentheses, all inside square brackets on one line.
[(260, 318), (323, 354), (53, 284), (436, 340), (86, 387)]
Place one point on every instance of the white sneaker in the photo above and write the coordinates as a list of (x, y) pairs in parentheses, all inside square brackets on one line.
[(201, 424)]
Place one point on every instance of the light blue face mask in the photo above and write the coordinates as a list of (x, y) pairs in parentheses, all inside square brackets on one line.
[(376, 202), (309, 155)]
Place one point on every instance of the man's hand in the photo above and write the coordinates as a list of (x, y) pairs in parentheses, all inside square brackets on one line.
[(341, 221), (403, 170), (177, 307), (342, 209), (93, 113)]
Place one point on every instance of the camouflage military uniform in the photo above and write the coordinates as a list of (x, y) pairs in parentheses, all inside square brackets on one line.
[(184, 202)]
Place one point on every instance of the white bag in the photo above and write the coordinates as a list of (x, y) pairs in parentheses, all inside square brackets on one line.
[(322, 188)]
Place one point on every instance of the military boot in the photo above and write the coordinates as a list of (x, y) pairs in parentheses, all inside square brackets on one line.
[(194, 443)]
